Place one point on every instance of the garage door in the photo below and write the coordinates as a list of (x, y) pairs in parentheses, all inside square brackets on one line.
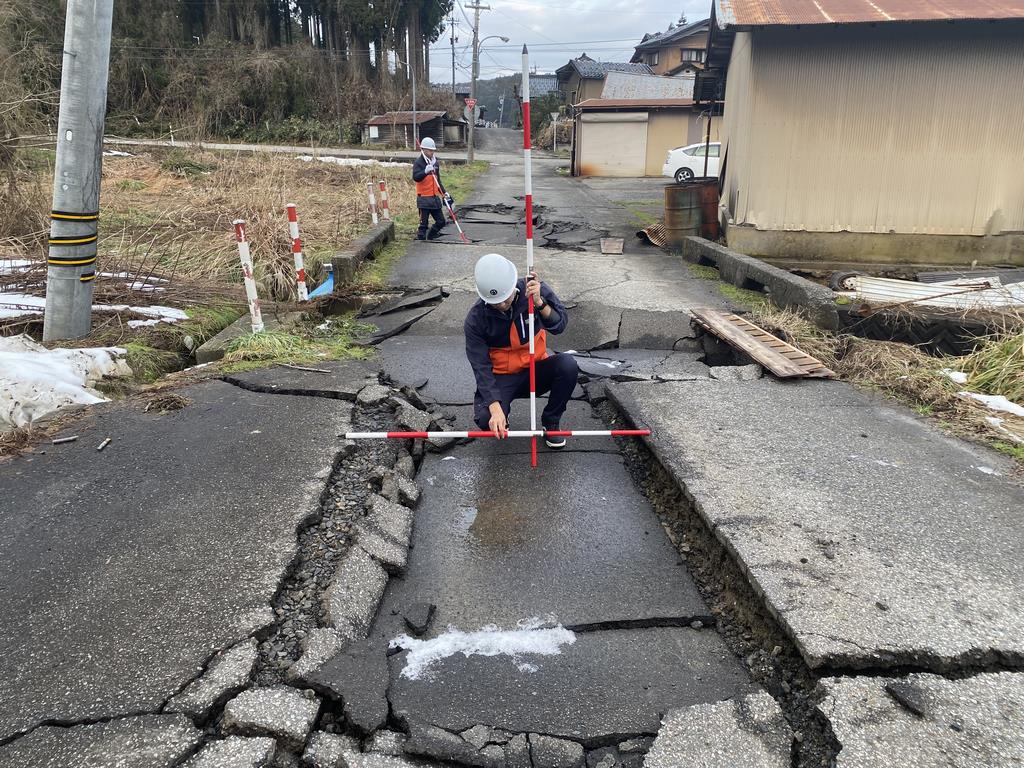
[(613, 144)]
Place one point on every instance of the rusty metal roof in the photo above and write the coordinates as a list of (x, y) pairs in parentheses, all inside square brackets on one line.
[(637, 103), (742, 13), (402, 118)]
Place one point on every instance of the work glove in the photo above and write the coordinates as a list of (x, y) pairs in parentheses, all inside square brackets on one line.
[(449, 200)]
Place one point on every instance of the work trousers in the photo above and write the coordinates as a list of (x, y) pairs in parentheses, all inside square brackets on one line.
[(425, 214), (556, 377)]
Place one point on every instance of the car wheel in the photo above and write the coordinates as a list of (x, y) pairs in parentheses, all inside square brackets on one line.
[(684, 174), (837, 281)]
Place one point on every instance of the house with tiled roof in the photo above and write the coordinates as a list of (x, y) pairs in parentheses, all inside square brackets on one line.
[(681, 49), (583, 78)]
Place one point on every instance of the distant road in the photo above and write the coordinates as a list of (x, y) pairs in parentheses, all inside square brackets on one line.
[(503, 141), (454, 156)]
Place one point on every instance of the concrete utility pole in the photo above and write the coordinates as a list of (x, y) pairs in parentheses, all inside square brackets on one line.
[(454, 40), (476, 73), (76, 179)]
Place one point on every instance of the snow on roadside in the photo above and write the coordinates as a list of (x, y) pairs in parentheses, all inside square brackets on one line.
[(957, 376), (18, 304), (529, 639), (349, 161), (35, 382), (995, 403)]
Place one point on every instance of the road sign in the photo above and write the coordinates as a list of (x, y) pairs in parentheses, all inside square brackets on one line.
[(471, 114), (554, 117), (470, 103)]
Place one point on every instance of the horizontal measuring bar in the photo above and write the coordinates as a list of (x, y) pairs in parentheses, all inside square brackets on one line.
[(511, 433)]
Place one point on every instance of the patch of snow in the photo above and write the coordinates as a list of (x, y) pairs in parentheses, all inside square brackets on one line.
[(144, 323), (996, 403), (987, 471), (116, 153), (10, 266), (349, 161), (958, 376), (36, 382), (529, 639), (18, 304), (448, 458)]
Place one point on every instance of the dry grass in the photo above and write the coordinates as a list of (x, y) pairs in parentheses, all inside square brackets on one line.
[(913, 377)]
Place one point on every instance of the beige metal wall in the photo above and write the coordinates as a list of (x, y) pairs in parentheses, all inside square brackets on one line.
[(903, 128), (671, 128)]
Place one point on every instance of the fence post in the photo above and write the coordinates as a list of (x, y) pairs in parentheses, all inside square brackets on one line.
[(300, 272), (250, 282), (384, 206), (373, 203)]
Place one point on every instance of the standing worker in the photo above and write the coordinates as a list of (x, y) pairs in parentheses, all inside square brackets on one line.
[(429, 190), (498, 347)]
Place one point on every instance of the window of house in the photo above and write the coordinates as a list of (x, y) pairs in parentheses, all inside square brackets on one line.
[(692, 54), (652, 58), (374, 132)]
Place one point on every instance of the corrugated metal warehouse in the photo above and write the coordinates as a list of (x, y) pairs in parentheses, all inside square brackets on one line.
[(887, 131)]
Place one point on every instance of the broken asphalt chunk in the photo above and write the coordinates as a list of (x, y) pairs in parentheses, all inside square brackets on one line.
[(373, 394), (327, 750), (408, 300), (227, 674), (235, 752), (391, 519), (285, 713), (388, 553), (550, 752), (431, 741), (418, 617), (355, 591), (318, 647), (358, 677)]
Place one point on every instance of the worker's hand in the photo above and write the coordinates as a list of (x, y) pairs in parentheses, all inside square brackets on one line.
[(449, 200), (533, 289), (498, 423)]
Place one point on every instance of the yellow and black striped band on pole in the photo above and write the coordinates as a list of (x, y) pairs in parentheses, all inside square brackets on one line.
[(75, 240), (68, 216), (87, 278), (72, 261)]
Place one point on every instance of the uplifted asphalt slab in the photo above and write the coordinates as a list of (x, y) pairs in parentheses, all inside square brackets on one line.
[(438, 360), (124, 570), (927, 721), (341, 379), (573, 540), (606, 685), (873, 538)]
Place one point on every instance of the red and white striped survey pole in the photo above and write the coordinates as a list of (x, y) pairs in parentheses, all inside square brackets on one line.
[(250, 282), (373, 203), (532, 433), (529, 248), (300, 271), (385, 209)]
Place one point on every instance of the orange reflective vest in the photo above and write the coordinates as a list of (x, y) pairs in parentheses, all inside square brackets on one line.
[(516, 357), (428, 187)]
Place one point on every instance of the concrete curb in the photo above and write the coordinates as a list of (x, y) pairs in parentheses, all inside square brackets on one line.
[(215, 348), (786, 289), (345, 264)]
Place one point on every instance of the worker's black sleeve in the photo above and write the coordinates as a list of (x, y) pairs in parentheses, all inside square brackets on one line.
[(419, 169), (479, 355), (559, 318)]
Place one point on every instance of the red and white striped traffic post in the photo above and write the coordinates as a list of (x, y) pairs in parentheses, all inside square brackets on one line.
[(385, 209), (300, 271), (529, 249), (373, 203), (250, 282)]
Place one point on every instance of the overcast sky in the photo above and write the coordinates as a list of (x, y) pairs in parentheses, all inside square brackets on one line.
[(555, 32)]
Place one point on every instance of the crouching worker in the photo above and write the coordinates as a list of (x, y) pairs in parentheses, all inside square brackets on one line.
[(498, 347), (429, 190)]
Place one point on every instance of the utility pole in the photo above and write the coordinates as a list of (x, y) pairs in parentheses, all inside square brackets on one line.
[(454, 40), (501, 108), (76, 178), (476, 73)]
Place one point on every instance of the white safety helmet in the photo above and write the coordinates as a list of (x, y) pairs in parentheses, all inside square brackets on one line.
[(427, 143), (496, 278)]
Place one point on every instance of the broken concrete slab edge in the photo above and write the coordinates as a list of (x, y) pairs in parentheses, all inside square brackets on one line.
[(786, 289), (879, 662), (289, 391), (346, 263)]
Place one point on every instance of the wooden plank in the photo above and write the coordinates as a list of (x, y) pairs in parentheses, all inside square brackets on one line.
[(781, 358)]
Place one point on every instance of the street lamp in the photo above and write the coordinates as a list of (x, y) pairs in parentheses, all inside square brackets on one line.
[(477, 45)]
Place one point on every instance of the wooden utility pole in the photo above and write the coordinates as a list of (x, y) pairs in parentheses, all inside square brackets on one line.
[(76, 180)]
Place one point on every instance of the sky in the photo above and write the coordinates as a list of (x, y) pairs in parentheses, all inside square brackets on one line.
[(555, 32)]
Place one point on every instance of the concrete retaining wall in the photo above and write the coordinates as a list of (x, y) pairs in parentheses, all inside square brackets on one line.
[(345, 264), (785, 288)]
